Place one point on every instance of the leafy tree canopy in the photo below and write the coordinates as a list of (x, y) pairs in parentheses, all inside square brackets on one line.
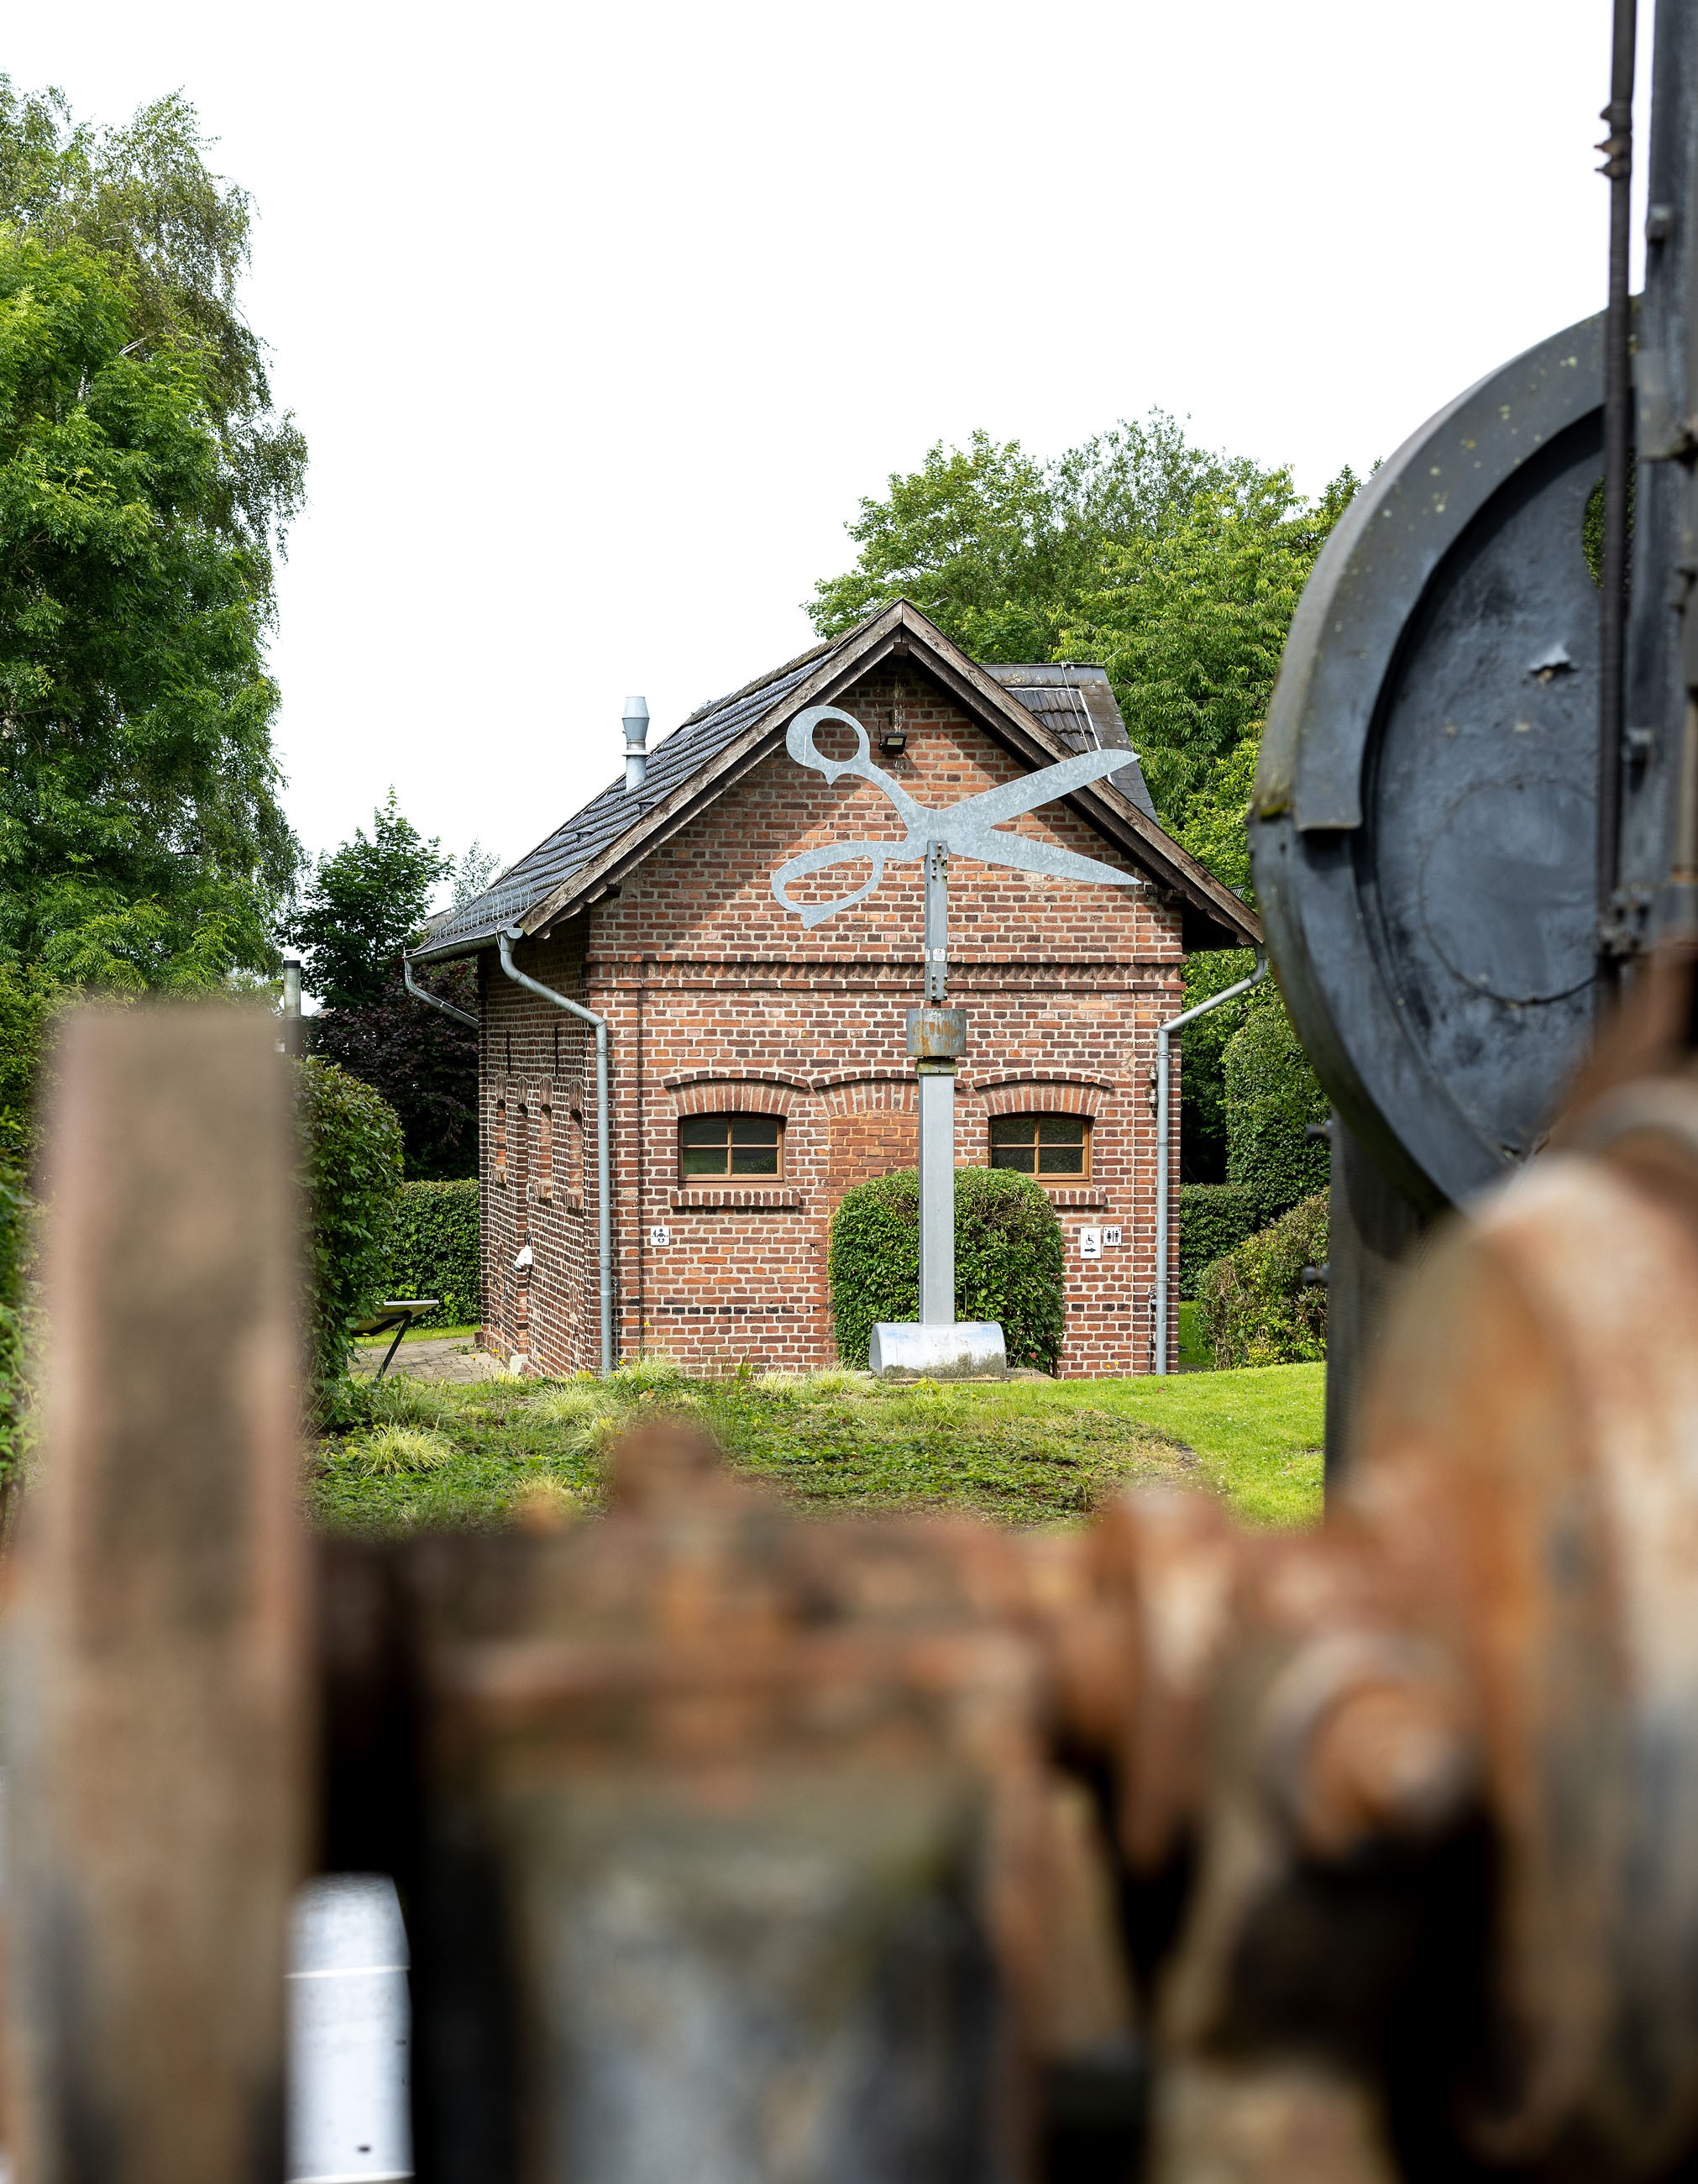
[(142, 843), (363, 904), (145, 483), (998, 548), (175, 237), (1190, 623)]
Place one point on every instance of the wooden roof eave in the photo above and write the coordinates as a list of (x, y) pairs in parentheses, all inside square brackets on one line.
[(874, 641)]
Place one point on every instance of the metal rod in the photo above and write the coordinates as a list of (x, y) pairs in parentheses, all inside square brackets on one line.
[(603, 1157), (936, 922), (435, 1000), (1617, 146), (1163, 1135)]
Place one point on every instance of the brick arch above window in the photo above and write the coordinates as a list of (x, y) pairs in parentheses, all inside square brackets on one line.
[(1045, 1095), (733, 1096), (870, 1091)]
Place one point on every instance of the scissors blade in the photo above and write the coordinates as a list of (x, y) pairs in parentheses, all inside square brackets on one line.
[(1024, 855), (1031, 789)]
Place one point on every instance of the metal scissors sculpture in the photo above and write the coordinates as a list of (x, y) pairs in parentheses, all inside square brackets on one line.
[(968, 829), (936, 1036)]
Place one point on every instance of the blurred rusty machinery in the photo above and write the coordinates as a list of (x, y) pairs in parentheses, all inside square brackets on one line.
[(739, 1845)]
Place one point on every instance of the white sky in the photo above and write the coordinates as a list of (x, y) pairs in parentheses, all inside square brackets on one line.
[(599, 320)]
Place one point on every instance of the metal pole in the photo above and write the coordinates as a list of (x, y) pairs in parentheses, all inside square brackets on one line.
[(1617, 146), (937, 1117), (603, 1155), (1163, 1158), (936, 923), (937, 1193)]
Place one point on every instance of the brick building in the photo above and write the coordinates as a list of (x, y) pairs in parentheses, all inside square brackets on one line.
[(758, 1069)]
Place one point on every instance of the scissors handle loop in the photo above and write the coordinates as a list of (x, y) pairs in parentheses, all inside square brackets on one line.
[(822, 859), (801, 746)]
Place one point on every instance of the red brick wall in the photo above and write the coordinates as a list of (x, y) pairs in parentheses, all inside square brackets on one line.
[(717, 999)]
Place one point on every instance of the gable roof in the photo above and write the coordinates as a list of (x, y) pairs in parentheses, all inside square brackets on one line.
[(1040, 713)]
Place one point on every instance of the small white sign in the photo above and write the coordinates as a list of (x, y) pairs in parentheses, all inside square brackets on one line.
[(1110, 1235), (659, 1236), (1090, 1243)]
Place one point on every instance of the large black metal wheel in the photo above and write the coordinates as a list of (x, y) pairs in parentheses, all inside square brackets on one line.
[(1422, 831)]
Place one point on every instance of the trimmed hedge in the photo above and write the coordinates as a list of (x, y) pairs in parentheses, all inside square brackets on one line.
[(1255, 1309), (1272, 1094), (351, 1167), (1214, 1219), (1010, 1263), (434, 1251)]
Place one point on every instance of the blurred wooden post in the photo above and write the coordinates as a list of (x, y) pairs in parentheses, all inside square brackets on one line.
[(156, 1708)]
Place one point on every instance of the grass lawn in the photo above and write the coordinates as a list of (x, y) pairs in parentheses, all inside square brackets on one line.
[(1024, 1451)]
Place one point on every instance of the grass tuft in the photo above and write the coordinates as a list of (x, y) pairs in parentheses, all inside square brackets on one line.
[(391, 1451)]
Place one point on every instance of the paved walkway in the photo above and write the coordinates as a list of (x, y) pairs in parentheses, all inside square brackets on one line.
[(434, 1357)]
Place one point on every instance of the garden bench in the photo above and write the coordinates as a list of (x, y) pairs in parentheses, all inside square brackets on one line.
[(399, 1312)]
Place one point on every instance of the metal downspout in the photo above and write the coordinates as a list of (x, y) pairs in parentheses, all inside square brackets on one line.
[(435, 1000), (1163, 1131), (603, 1161)]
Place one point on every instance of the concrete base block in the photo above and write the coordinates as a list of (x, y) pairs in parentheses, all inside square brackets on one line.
[(948, 1350)]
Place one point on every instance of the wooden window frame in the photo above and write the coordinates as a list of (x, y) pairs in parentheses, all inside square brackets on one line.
[(729, 1118), (1032, 1117)]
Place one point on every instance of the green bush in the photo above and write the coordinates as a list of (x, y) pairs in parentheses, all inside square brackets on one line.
[(351, 1166), (1213, 1218), (1255, 1309), (1009, 1265), (434, 1249), (1270, 1095)]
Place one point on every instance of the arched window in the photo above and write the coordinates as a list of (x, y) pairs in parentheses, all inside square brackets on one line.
[(501, 1141), (725, 1147), (1043, 1146)]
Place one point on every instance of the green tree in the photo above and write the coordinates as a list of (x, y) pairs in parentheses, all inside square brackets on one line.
[(145, 485), (142, 844), (1000, 549), (175, 237), (1190, 623), (365, 903)]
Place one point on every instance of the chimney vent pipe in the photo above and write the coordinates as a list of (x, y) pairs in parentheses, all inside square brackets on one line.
[(635, 736)]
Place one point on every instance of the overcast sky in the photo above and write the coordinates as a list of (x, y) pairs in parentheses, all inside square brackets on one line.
[(599, 320)]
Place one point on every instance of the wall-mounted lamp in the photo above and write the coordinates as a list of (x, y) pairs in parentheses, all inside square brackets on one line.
[(894, 737)]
